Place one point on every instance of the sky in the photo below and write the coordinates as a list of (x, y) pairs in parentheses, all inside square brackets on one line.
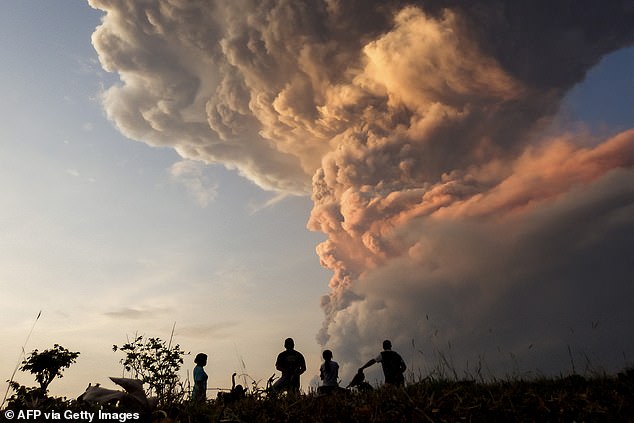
[(454, 176)]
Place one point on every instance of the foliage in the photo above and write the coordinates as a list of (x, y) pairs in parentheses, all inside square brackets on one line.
[(25, 397), (599, 398), (565, 399), (156, 363), (46, 366)]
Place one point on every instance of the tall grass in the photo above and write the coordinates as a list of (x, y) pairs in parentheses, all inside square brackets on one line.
[(21, 357), (435, 399)]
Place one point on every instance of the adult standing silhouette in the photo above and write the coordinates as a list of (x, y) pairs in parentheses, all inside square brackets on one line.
[(292, 364)]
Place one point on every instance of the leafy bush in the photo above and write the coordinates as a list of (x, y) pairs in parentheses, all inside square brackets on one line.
[(156, 363), (46, 366)]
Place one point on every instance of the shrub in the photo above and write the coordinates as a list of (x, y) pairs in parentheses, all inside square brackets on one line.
[(155, 363), (46, 366)]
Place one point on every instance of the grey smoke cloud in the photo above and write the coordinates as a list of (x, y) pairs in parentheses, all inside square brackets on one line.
[(417, 129)]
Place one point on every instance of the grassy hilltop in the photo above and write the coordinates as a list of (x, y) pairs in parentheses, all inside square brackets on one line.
[(566, 399), (435, 398), (573, 398)]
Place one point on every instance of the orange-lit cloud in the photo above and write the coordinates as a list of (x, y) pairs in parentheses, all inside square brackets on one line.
[(417, 131)]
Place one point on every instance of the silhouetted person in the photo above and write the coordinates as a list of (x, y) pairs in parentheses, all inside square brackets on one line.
[(328, 373), (392, 363), (237, 392), (358, 381), (199, 393), (292, 364)]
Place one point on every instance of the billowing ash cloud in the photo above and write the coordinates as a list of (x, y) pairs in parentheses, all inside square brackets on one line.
[(455, 227)]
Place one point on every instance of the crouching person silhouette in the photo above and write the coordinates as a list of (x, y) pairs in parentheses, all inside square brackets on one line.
[(392, 363), (237, 392)]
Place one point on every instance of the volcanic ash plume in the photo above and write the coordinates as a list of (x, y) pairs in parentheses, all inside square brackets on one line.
[(419, 128)]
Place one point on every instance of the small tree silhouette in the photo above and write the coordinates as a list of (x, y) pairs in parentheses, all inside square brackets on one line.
[(156, 363), (48, 364)]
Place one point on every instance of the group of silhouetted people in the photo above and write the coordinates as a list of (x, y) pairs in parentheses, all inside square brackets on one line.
[(292, 365)]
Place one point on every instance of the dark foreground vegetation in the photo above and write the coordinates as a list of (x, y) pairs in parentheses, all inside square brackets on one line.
[(569, 399), (598, 398)]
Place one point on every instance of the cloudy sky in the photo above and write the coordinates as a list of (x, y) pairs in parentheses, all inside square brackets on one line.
[(456, 177)]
